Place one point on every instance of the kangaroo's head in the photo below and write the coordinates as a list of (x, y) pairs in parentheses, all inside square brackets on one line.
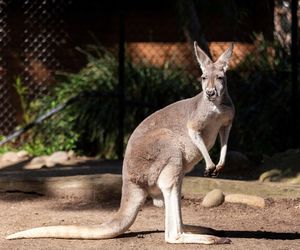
[(213, 73)]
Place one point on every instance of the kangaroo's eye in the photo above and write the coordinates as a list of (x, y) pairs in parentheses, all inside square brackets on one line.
[(203, 77), (220, 77)]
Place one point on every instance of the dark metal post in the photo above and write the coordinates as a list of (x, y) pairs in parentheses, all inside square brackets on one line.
[(120, 139), (294, 89)]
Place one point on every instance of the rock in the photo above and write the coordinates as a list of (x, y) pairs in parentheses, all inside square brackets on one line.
[(236, 161), (71, 154), (23, 154), (49, 163), (36, 163), (13, 157), (287, 162), (271, 175), (59, 157), (213, 199), (10, 157), (294, 180), (250, 200)]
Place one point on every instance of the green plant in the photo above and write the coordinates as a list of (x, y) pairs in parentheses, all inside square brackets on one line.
[(22, 92), (90, 126), (261, 88), (5, 148)]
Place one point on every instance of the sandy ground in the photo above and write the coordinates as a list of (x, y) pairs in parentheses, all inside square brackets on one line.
[(277, 226)]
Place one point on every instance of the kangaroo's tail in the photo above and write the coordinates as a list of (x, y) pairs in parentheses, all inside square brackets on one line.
[(133, 197)]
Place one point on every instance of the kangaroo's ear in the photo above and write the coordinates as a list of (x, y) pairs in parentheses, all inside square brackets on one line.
[(202, 58), (224, 58)]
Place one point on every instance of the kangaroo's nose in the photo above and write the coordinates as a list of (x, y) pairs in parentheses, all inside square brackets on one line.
[(210, 92)]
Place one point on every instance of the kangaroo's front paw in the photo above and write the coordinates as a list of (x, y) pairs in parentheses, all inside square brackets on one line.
[(209, 170), (217, 170)]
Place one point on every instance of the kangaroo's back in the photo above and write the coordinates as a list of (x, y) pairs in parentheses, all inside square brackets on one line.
[(172, 117)]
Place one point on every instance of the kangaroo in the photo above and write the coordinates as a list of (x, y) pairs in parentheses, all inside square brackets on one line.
[(161, 150)]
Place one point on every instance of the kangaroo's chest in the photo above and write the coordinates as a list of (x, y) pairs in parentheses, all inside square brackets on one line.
[(207, 124), (209, 121), (214, 117), (210, 126)]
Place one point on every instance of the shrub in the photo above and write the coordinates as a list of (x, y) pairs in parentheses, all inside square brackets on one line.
[(260, 87), (90, 126)]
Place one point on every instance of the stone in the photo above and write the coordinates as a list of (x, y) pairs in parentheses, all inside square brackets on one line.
[(271, 175), (294, 180), (59, 157), (71, 154), (250, 200), (213, 199), (49, 163), (10, 157), (281, 167), (23, 154), (36, 163)]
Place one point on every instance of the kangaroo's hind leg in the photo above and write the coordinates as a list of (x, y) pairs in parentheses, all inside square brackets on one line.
[(170, 181)]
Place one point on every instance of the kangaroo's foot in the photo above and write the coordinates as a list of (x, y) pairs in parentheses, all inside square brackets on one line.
[(174, 230), (197, 239), (198, 234)]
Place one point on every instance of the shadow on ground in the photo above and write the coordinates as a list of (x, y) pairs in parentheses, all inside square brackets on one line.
[(260, 235), (34, 183), (86, 167), (229, 234)]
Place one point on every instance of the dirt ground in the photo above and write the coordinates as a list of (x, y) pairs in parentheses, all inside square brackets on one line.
[(277, 226)]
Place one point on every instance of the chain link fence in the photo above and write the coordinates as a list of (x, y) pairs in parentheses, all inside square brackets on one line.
[(43, 39), (7, 111), (29, 58)]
